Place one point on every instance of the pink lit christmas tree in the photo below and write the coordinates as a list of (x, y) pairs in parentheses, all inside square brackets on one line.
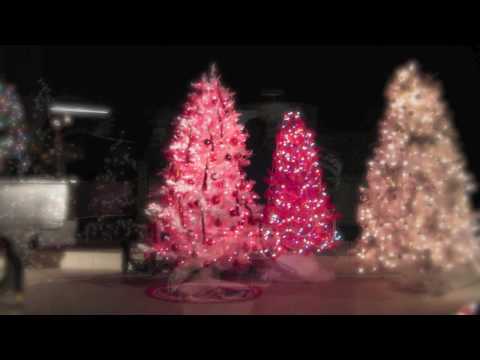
[(299, 217), (206, 211)]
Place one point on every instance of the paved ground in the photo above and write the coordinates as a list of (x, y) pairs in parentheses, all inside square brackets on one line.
[(55, 291)]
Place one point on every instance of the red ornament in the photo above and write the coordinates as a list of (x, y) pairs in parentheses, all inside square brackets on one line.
[(216, 200), (228, 157), (207, 142), (190, 182), (208, 241), (234, 141), (193, 204)]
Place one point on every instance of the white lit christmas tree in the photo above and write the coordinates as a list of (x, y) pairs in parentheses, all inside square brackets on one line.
[(415, 211)]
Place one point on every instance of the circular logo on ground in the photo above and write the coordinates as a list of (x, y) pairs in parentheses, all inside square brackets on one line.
[(204, 293)]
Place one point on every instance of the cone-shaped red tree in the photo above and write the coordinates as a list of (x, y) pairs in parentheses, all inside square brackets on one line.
[(206, 209), (299, 216)]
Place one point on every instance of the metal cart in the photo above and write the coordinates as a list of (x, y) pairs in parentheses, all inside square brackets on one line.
[(34, 213)]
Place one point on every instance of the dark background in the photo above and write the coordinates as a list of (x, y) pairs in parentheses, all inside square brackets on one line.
[(345, 82)]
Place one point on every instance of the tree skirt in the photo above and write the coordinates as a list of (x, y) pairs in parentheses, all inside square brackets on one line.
[(205, 292), (469, 309)]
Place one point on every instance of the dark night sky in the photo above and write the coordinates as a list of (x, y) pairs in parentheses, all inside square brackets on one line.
[(345, 82)]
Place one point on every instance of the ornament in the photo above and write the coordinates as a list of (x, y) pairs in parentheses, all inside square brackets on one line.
[(234, 141), (190, 182), (219, 184), (214, 176), (164, 236), (228, 157), (208, 241), (207, 142), (216, 200), (177, 136), (235, 212), (213, 158), (193, 204)]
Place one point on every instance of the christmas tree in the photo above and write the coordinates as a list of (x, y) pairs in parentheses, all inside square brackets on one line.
[(114, 195), (13, 139), (205, 210), (42, 142), (415, 210), (298, 217)]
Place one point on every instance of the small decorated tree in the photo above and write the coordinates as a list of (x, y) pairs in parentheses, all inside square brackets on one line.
[(42, 144), (114, 196), (206, 211), (415, 211), (298, 217)]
